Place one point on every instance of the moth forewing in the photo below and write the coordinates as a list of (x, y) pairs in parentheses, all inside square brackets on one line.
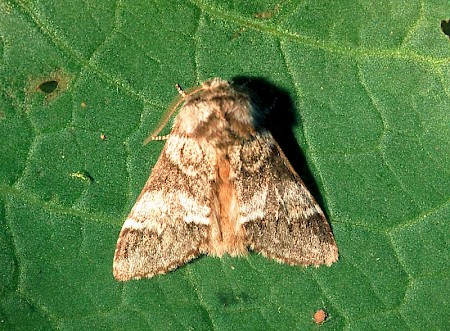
[(220, 186)]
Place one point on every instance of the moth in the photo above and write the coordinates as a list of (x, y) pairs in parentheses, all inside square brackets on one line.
[(221, 185)]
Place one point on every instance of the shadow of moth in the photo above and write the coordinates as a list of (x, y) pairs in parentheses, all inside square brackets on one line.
[(221, 185)]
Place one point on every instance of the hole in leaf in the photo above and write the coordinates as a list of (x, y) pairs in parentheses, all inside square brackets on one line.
[(51, 84), (445, 27), (48, 86)]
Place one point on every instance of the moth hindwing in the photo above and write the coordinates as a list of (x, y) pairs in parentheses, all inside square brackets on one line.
[(221, 185)]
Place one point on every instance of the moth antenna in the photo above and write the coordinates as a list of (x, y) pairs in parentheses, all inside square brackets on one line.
[(165, 137), (170, 111)]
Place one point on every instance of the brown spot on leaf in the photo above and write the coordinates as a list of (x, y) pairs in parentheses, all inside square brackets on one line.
[(265, 15), (320, 316), (238, 33)]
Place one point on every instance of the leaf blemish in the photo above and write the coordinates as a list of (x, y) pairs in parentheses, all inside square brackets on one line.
[(82, 175), (48, 86), (232, 299), (227, 299), (264, 15), (445, 27), (320, 316), (51, 85)]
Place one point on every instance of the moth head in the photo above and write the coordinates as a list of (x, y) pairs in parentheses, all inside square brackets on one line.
[(216, 109)]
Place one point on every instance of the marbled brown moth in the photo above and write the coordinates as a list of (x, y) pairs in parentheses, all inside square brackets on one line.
[(222, 185)]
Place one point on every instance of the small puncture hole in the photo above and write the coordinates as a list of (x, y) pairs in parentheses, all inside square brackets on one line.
[(49, 86)]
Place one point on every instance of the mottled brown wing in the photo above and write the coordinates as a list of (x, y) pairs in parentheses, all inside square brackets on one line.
[(281, 218), (169, 222)]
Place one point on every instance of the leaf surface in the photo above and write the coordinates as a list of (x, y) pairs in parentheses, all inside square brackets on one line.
[(84, 83)]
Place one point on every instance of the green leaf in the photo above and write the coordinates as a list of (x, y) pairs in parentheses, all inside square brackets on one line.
[(84, 83)]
